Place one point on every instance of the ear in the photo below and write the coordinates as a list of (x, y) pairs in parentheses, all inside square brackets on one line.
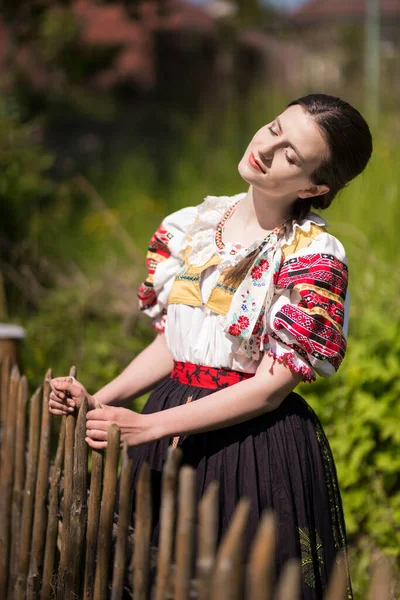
[(313, 190)]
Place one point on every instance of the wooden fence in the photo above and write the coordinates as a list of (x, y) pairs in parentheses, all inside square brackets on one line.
[(60, 538)]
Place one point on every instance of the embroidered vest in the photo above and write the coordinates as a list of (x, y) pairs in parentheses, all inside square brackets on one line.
[(186, 286)]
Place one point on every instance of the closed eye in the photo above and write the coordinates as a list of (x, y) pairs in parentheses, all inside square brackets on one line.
[(290, 161)]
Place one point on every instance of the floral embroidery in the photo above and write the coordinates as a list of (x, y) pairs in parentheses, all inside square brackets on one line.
[(312, 555), (259, 268), (234, 329), (335, 502), (243, 321), (254, 297)]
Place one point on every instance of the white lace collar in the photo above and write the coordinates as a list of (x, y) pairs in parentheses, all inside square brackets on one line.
[(203, 232)]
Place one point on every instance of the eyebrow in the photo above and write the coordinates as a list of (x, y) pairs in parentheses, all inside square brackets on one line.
[(290, 144)]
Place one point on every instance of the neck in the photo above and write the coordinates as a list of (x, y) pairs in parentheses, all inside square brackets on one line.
[(269, 212)]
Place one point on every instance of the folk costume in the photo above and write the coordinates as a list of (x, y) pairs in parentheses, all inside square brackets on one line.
[(291, 304)]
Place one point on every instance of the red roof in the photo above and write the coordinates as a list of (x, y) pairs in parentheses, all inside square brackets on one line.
[(317, 10)]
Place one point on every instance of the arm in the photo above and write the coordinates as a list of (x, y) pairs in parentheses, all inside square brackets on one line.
[(142, 374), (262, 393)]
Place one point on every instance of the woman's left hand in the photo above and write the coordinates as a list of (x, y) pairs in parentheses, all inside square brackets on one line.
[(135, 428)]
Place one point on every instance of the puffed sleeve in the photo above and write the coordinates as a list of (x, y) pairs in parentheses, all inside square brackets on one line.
[(164, 256), (306, 325)]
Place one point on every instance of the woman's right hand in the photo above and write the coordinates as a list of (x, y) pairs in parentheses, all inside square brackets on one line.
[(66, 395)]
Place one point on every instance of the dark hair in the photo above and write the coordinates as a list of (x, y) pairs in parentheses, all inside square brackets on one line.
[(350, 147), (349, 142)]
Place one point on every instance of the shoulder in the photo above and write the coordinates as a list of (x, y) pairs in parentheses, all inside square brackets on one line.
[(206, 214), (213, 209), (311, 236)]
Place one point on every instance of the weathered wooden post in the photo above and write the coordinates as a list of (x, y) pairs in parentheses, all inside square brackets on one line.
[(42, 486), (78, 518), (29, 496), (207, 540), (185, 532), (261, 563), (381, 583), (68, 482), (7, 478), (124, 514), (106, 514), (4, 399), (227, 579), (93, 523), (11, 337), (19, 479), (167, 521), (52, 522), (141, 549), (288, 587), (337, 585)]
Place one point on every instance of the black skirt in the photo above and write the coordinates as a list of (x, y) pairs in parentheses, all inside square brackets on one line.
[(280, 460)]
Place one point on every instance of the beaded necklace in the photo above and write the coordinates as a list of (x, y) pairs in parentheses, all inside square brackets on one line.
[(220, 228)]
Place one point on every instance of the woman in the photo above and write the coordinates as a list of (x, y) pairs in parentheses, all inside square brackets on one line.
[(249, 296)]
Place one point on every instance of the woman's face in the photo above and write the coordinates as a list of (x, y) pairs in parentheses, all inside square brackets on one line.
[(283, 155)]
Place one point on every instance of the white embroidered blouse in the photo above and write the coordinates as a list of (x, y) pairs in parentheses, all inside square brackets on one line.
[(292, 304)]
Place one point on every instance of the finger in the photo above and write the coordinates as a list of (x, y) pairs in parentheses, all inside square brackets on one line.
[(96, 434), (100, 425), (59, 406), (95, 445), (99, 414), (59, 413), (68, 386), (55, 394), (62, 398), (56, 381)]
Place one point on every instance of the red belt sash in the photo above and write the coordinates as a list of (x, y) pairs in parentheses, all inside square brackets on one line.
[(206, 377)]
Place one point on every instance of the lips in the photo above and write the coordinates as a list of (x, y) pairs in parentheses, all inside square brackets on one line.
[(254, 163)]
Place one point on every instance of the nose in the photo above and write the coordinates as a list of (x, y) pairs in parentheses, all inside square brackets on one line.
[(266, 152)]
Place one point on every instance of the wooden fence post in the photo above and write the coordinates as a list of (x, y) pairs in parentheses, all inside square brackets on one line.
[(78, 517), (5, 379), (19, 480), (261, 563), (167, 521), (106, 514), (52, 522), (381, 581), (7, 478), (207, 540), (124, 514), (288, 587), (227, 579), (141, 547), (42, 485), (185, 532), (68, 482), (29, 496), (337, 584), (93, 523)]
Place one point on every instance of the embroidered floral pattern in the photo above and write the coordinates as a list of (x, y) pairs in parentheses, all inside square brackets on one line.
[(312, 555), (254, 297), (259, 269), (206, 377)]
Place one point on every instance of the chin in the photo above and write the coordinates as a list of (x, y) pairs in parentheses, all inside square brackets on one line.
[(246, 173)]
